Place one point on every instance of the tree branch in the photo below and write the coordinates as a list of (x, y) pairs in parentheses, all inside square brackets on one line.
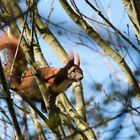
[(105, 47)]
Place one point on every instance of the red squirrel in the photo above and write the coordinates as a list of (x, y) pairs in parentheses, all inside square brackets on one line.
[(57, 79)]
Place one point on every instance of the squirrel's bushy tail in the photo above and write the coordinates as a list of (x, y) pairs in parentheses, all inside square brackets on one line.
[(10, 43)]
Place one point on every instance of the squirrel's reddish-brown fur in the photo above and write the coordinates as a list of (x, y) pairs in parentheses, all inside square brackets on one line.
[(56, 79), (10, 43)]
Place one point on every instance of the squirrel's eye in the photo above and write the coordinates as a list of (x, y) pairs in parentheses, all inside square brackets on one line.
[(74, 70)]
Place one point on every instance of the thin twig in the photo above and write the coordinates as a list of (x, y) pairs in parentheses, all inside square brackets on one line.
[(17, 49), (10, 104), (112, 26)]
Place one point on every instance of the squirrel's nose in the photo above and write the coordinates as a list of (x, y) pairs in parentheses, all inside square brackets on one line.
[(79, 77)]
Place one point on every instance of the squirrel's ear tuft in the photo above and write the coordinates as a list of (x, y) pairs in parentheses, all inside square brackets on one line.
[(77, 59), (71, 58)]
